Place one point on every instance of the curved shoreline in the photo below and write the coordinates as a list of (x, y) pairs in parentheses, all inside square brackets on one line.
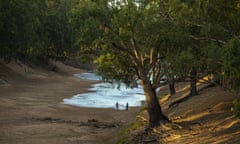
[(32, 112), (106, 95)]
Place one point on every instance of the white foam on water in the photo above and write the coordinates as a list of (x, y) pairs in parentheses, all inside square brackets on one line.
[(105, 95)]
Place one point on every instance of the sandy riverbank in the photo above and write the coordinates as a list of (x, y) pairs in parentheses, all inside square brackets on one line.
[(32, 112)]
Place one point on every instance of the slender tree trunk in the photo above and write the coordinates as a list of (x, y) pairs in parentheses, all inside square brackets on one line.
[(172, 88), (193, 81), (153, 106), (171, 83)]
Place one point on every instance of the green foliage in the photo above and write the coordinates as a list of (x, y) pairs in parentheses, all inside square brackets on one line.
[(231, 64), (236, 103), (87, 18), (116, 68), (131, 23), (51, 28), (210, 36), (58, 28), (20, 25), (183, 62)]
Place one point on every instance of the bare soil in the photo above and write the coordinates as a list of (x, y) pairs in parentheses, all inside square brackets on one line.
[(202, 119), (32, 109), (207, 118)]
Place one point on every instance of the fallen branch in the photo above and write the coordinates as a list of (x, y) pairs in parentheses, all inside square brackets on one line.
[(92, 122)]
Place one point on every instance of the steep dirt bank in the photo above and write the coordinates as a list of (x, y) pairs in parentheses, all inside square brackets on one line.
[(31, 109), (207, 118)]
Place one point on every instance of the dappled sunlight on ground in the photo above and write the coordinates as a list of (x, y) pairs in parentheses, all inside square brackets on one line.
[(202, 119), (190, 118), (207, 118)]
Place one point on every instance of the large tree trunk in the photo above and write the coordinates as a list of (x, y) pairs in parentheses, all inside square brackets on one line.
[(193, 81), (153, 106)]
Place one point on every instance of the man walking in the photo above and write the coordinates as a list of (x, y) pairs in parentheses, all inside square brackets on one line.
[(127, 106), (117, 106)]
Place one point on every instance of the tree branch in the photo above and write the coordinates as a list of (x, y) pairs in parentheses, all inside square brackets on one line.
[(205, 38), (123, 49), (137, 51)]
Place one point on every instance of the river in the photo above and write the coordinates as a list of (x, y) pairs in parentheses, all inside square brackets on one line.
[(105, 95)]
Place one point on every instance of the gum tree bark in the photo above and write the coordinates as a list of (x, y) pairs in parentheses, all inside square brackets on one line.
[(153, 106), (148, 69)]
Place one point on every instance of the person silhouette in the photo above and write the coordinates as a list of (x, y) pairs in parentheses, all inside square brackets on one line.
[(127, 106), (117, 106)]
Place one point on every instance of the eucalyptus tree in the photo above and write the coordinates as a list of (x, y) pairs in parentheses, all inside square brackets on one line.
[(225, 31), (35, 29), (200, 39), (189, 63), (59, 28), (130, 50), (214, 27)]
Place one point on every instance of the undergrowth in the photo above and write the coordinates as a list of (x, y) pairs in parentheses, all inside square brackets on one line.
[(125, 135)]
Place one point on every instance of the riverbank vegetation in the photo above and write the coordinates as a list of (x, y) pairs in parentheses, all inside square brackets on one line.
[(130, 40)]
